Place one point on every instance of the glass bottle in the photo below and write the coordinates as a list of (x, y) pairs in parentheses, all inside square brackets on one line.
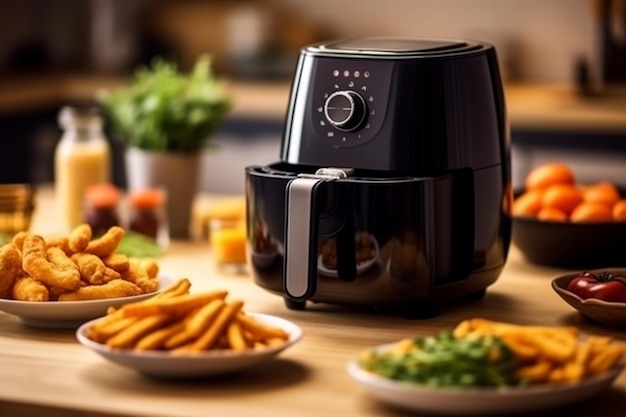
[(147, 215), (101, 207), (82, 158)]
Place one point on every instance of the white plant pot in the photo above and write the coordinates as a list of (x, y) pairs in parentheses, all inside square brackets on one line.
[(176, 173)]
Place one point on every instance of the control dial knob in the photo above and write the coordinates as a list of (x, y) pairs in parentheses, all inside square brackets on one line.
[(345, 110)]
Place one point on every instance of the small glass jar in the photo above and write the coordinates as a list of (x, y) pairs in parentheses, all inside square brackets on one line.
[(147, 215), (227, 239), (101, 207), (82, 158)]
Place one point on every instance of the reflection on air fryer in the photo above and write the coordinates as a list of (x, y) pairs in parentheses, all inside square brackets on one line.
[(366, 252), (264, 248), (401, 256), (405, 259)]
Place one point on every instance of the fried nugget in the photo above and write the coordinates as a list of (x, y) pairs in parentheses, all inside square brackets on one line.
[(59, 259), (111, 274), (10, 266), (62, 242), (107, 243), (117, 261), (27, 288), (18, 239), (80, 237), (138, 276), (150, 266), (91, 268), (55, 292), (36, 264), (112, 289)]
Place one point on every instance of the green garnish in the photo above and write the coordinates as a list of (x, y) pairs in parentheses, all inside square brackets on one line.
[(135, 245), (445, 361)]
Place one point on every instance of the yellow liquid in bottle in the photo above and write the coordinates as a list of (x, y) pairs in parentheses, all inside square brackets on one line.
[(78, 165)]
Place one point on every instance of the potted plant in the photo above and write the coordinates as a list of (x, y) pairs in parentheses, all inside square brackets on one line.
[(166, 118)]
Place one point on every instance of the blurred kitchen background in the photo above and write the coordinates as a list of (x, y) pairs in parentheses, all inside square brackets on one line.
[(564, 63)]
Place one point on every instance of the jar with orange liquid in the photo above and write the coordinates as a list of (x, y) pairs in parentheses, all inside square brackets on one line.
[(228, 242)]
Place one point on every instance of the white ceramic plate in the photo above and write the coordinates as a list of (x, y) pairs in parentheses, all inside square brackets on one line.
[(478, 401), (163, 364), (69, 314)]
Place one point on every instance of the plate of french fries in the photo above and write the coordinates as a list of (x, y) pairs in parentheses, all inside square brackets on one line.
[(484, 367), (182, 334)]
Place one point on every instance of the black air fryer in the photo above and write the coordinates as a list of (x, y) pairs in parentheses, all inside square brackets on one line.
[(393, 185)]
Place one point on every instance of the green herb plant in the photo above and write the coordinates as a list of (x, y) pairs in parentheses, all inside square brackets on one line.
[(166, 110)]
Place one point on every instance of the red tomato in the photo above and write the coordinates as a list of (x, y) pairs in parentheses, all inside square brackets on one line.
[(605, 286), (612, 291)]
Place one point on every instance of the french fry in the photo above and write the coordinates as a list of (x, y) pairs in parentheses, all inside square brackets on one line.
[(523, 352), (175, 289), (180, 305), (574, 371), (102, 331), (273, 341), (605, 360), (235, 337), (202, 318), (131, 334), (177, 340), (257, 328), (179, 322), (538, 372), (156, 339), (549, 354), (206, 340), (558, 350)]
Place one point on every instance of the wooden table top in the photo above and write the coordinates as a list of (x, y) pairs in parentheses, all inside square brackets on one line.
[(47, 372)]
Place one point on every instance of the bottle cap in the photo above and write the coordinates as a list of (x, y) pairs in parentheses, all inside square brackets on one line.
[(82, 115), (102, 195), (147, 198)]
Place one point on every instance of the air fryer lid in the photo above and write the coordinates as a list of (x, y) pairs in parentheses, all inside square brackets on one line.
[(396, 46)]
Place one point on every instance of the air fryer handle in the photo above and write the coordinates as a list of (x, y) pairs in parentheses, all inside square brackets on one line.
[(301, 236)]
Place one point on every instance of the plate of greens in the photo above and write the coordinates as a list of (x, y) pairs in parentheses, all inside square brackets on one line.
[(459, 380)]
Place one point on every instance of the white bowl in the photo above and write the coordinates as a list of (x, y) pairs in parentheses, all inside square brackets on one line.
[(70, 314), (479, 401), (163, 364)]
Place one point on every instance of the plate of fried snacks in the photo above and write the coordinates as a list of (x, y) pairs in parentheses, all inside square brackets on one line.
[(180, 334), (65, 281), (484, 367)]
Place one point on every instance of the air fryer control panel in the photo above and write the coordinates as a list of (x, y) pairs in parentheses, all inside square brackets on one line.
[(396, 106), (348, 99)]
